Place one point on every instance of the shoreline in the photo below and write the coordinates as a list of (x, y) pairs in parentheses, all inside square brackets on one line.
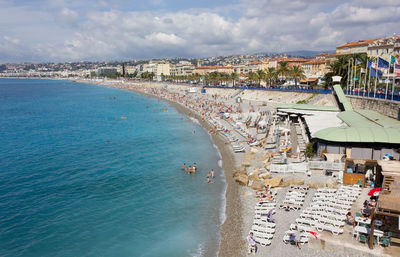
[(231, 243)]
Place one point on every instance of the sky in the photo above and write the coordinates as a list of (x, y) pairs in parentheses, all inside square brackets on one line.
[(105, 30)]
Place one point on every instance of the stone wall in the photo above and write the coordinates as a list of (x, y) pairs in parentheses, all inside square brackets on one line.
[(388, 108)]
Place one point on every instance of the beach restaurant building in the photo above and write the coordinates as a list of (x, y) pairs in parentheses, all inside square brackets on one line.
[(362, 136)]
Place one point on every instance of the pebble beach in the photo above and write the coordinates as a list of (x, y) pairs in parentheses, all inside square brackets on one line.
[(240, 200)]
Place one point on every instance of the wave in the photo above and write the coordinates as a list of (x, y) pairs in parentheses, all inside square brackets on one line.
[(194, 120)]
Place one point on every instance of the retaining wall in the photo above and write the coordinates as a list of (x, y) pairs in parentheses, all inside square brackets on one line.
[(385, 107)]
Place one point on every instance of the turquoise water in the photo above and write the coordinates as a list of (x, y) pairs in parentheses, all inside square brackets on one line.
[(76, 179)]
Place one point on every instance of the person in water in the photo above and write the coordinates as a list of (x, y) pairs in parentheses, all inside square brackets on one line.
[(190, 170), (183, 166), (212, 173)]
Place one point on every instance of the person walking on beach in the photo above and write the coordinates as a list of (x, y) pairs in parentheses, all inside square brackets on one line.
[(297, 237), (251, 244)]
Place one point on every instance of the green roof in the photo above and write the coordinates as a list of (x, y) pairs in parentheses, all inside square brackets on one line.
[(379, 119), (354, 119), (308, 107), (360, 135), (342, 98)]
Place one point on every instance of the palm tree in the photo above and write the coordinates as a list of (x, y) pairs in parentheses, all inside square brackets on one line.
[(283, 68), (270, 75), (251, 77), (234, 76), (260, 75), (297, 73)]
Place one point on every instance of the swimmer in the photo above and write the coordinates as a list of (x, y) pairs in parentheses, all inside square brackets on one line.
[(208, 179), (190, 170), (183, 166), (212, 173)]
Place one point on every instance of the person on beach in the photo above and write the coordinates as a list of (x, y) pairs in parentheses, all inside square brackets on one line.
[(252, 245), (350, 219), (208, 179), (297, 237)]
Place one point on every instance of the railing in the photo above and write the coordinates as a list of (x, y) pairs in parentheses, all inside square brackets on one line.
[(324, 165), (317, 91), (396, 95), (289, 168)]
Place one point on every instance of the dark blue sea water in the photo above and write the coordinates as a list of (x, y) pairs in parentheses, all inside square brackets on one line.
[(76, 179)]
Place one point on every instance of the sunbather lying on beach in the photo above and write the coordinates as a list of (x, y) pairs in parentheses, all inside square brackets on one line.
[(267, 198)]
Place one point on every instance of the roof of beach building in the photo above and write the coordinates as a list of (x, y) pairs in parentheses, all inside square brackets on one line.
[(308, 107), (357, 126), (360, 135), (342, 98)]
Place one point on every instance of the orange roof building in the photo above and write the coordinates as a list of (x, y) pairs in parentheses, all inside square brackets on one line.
[(360, 46)]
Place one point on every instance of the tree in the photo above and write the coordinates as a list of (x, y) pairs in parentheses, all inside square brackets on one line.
[(251, 77), (283, 68), (270, 75), (234, 76), (260, 76), (297, 73)]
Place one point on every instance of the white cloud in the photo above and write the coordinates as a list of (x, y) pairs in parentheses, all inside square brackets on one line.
[(68, 17), (261, 25)]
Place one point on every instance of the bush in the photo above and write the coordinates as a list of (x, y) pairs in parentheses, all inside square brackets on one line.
[(311, 149)]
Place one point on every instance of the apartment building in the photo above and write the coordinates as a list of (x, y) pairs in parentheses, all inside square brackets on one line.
[(203, 70)]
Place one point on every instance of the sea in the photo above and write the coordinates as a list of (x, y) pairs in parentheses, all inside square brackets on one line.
[(87, 170)]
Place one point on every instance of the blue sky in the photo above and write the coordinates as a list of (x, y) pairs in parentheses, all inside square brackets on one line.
[(73, 30)]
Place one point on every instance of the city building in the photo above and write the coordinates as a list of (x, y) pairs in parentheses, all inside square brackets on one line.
[(314, 68), (385, 47), (203, 70), (183, 68), (355, 47), (106, 71)]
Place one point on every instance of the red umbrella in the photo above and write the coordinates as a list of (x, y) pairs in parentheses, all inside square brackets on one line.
[(372, 191)]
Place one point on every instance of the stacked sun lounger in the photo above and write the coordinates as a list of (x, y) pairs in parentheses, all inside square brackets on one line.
[(328, 209), (300, 137), (294, 198), (262, 229)]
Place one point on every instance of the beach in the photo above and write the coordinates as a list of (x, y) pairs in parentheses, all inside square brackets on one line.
[(232, 231), (208, 108)]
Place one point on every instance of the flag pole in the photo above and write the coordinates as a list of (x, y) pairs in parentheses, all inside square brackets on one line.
[(359, 82), (394, 74), (366, 71), (351, 75), (354, 74), (348, 78), (376, 78), (387, 81)]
